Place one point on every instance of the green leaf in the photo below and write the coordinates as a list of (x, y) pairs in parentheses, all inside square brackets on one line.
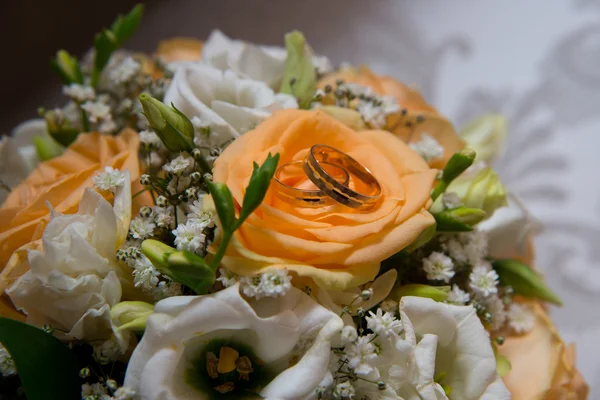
[(47, 148), (105, 43), (258, 186), (224, 204), (437, 293), (299, 79), (191, 270), (46, 367), (457, 164), (459, 219), (125, 26), (524, 280), (67, 67)]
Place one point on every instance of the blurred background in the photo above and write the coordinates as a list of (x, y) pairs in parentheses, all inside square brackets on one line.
[(537, 62)]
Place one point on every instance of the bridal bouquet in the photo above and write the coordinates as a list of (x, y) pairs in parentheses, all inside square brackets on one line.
[(227, 220)]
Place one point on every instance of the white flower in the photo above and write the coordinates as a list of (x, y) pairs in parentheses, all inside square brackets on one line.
[(124, 393), (467, 247), (145, 276), (344, 390), (521, 318), (272, 283), (458, 296), (438, 266), (96, 110), (450, 339), (150, 138), (361, 355), (227, 278), (76, 278), (96, 390), (256, 62), (189, 236), (163, 216), (79, 93), (110, 179), (200, 215), (495, 307), (483, 280), (178, 165), (374, 110), (184, 329), (141, 228), (428, 148), (383, 324), (229, 105), (107, 351), (107, 125), (7, 364), (125, 71), (349, 334), (510, 230)]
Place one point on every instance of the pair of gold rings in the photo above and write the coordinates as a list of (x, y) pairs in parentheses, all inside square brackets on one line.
[(332, 173)]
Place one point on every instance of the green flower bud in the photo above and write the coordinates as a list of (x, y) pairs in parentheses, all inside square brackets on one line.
[(173, 128), (60, 128), (457, 164), (486, 135), (347, 116), (46, 148), (67, 67), (158, 253), (481, 190), (131, 315), (460, 219), (437, 293)]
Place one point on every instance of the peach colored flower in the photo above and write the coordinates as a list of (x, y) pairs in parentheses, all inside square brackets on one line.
[(543, 367), (409, 99), (335, 245), (60, 182), (179, 49)]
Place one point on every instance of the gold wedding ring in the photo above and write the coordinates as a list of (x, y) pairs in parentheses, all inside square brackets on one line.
[(293, 185), (366, 190)]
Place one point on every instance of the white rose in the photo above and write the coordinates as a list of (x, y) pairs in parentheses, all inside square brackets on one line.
[(450, 340), (18, 156), (229, 105), (75, 279), (510, 230), (197, 346), (260, 63)]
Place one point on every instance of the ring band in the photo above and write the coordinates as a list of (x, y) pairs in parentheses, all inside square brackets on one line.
[(305, 197), (320, 154)]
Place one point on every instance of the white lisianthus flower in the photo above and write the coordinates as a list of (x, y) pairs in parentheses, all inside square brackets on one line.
[(74, 281), (229, 105), (449, 340), (193, 345), (259, 63)]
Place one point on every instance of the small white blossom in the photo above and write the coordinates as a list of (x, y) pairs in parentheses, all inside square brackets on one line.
[(466, 248), (107, 125), (107, 352), (79, 93), (361, 355), (495, 307), (178, 184), (178, 165), (451, 200), (150, 138), (199, 215), (458, 296), (521, 318), (7, 365), (141, 228), (383, 324), (483, 280), (273, 283), (189, 236), (344, 391), (438, 266), (227, 278), (148, 278), (124, 393), (97, 391), (125, 71), (163, 216), (389, 306), (110, 179), (428, 148), (349, 335), (96, 110)]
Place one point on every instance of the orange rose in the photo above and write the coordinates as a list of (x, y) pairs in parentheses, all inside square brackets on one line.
[(179, 49), (336, 246), (410, 100), (60, 182), (543, 367)]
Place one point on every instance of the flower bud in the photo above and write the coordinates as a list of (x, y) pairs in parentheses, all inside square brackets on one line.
[(60, 128), (157, 252), (486, 135), (437, 293), (131, 315), (481, 190), (460, 219), (347, 116), (173, 128), (67, 67)]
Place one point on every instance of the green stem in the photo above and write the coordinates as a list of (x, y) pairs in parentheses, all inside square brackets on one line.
[(439, 189), (140, 192), (84, 119), (204, 165), (214, 264)]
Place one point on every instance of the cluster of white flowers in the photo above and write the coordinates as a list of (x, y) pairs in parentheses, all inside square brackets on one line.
[(79, 93), (150, 139), (100, 391), (272, 283), (383, 323), (438, 267), (521, 318), (179, 164), (484, 280), (190, 236), (151, 281), (428, 148), (227, 278), (458, 296), (7, 365), (107, 352), (142, 228), (125, 71), (373, 108), (109, 180), (466, 248)]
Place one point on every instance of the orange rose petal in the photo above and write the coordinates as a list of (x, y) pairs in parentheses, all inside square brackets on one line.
[(180, 49)]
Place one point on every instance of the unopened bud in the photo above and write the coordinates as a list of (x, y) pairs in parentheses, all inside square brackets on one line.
[(131, 315), (173, 128)]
